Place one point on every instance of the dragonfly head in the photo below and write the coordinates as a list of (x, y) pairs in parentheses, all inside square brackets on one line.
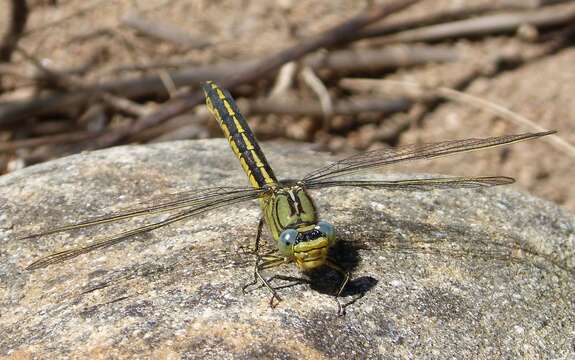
[(308, 246)]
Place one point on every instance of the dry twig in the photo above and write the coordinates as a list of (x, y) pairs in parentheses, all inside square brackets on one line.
[(337, 35), (352, 106), (16, 27), (486, 25), (448, 15)]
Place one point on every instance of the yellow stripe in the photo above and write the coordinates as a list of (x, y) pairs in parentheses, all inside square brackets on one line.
[(218, 91), (234, 147), (225, 129), (244, 165), (229, 108), (247, 142), (254, 182), (266, 176), (243, 144), (257, 160)]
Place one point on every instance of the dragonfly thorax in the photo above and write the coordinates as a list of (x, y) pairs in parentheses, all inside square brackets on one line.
[(288, 206), (292, 219)]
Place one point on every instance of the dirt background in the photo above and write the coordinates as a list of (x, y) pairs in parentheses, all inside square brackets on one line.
[(75, 34)]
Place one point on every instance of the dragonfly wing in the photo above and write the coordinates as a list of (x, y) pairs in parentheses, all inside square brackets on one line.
[(195, 205), (378, 158), (157, 205), (418, 184)]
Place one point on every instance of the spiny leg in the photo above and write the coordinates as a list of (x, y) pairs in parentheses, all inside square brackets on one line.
[(258, 258), (254, 251), (331, 264), (272, 261), (263, 262), (294, 280)]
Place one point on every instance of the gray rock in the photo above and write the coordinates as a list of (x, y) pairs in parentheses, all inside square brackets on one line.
[(444, 274)]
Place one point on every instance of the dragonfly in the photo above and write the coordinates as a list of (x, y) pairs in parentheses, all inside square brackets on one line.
[(287, 208)]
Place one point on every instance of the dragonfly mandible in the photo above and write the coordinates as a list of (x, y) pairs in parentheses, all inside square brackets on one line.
[(287, 208)]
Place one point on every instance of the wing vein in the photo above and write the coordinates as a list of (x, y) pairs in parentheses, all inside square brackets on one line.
[(199, 207), (382, 157)]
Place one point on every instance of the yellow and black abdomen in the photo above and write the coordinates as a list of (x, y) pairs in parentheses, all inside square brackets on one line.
[(240, 136)]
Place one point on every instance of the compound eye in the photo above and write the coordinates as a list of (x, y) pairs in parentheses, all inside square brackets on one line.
[(326, 229), (288, 236), (286, 241)]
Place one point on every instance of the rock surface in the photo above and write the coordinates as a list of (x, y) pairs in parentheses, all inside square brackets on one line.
[(444, 274)]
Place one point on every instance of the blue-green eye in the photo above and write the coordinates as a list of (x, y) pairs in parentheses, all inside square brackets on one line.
[(288, 236), (287, 240), (327, 229)]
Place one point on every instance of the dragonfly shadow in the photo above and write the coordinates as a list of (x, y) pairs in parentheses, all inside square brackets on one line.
[(327, 281)]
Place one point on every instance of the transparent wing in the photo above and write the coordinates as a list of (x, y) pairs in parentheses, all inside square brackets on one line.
[(378, 158), (193, 203), (419, 184), (164, 203)]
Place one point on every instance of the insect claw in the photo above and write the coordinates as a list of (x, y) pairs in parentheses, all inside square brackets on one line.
[(275, 296)]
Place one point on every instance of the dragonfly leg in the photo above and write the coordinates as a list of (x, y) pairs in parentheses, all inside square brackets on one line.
[(293, 280), (264, 261), (346, 275), (270, 261), (255, 250), (258, 235), (258, 257)]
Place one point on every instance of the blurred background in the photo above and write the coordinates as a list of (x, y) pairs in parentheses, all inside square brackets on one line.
[(346, 76)]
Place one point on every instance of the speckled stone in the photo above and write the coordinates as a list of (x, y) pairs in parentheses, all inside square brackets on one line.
[(444, 274)]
